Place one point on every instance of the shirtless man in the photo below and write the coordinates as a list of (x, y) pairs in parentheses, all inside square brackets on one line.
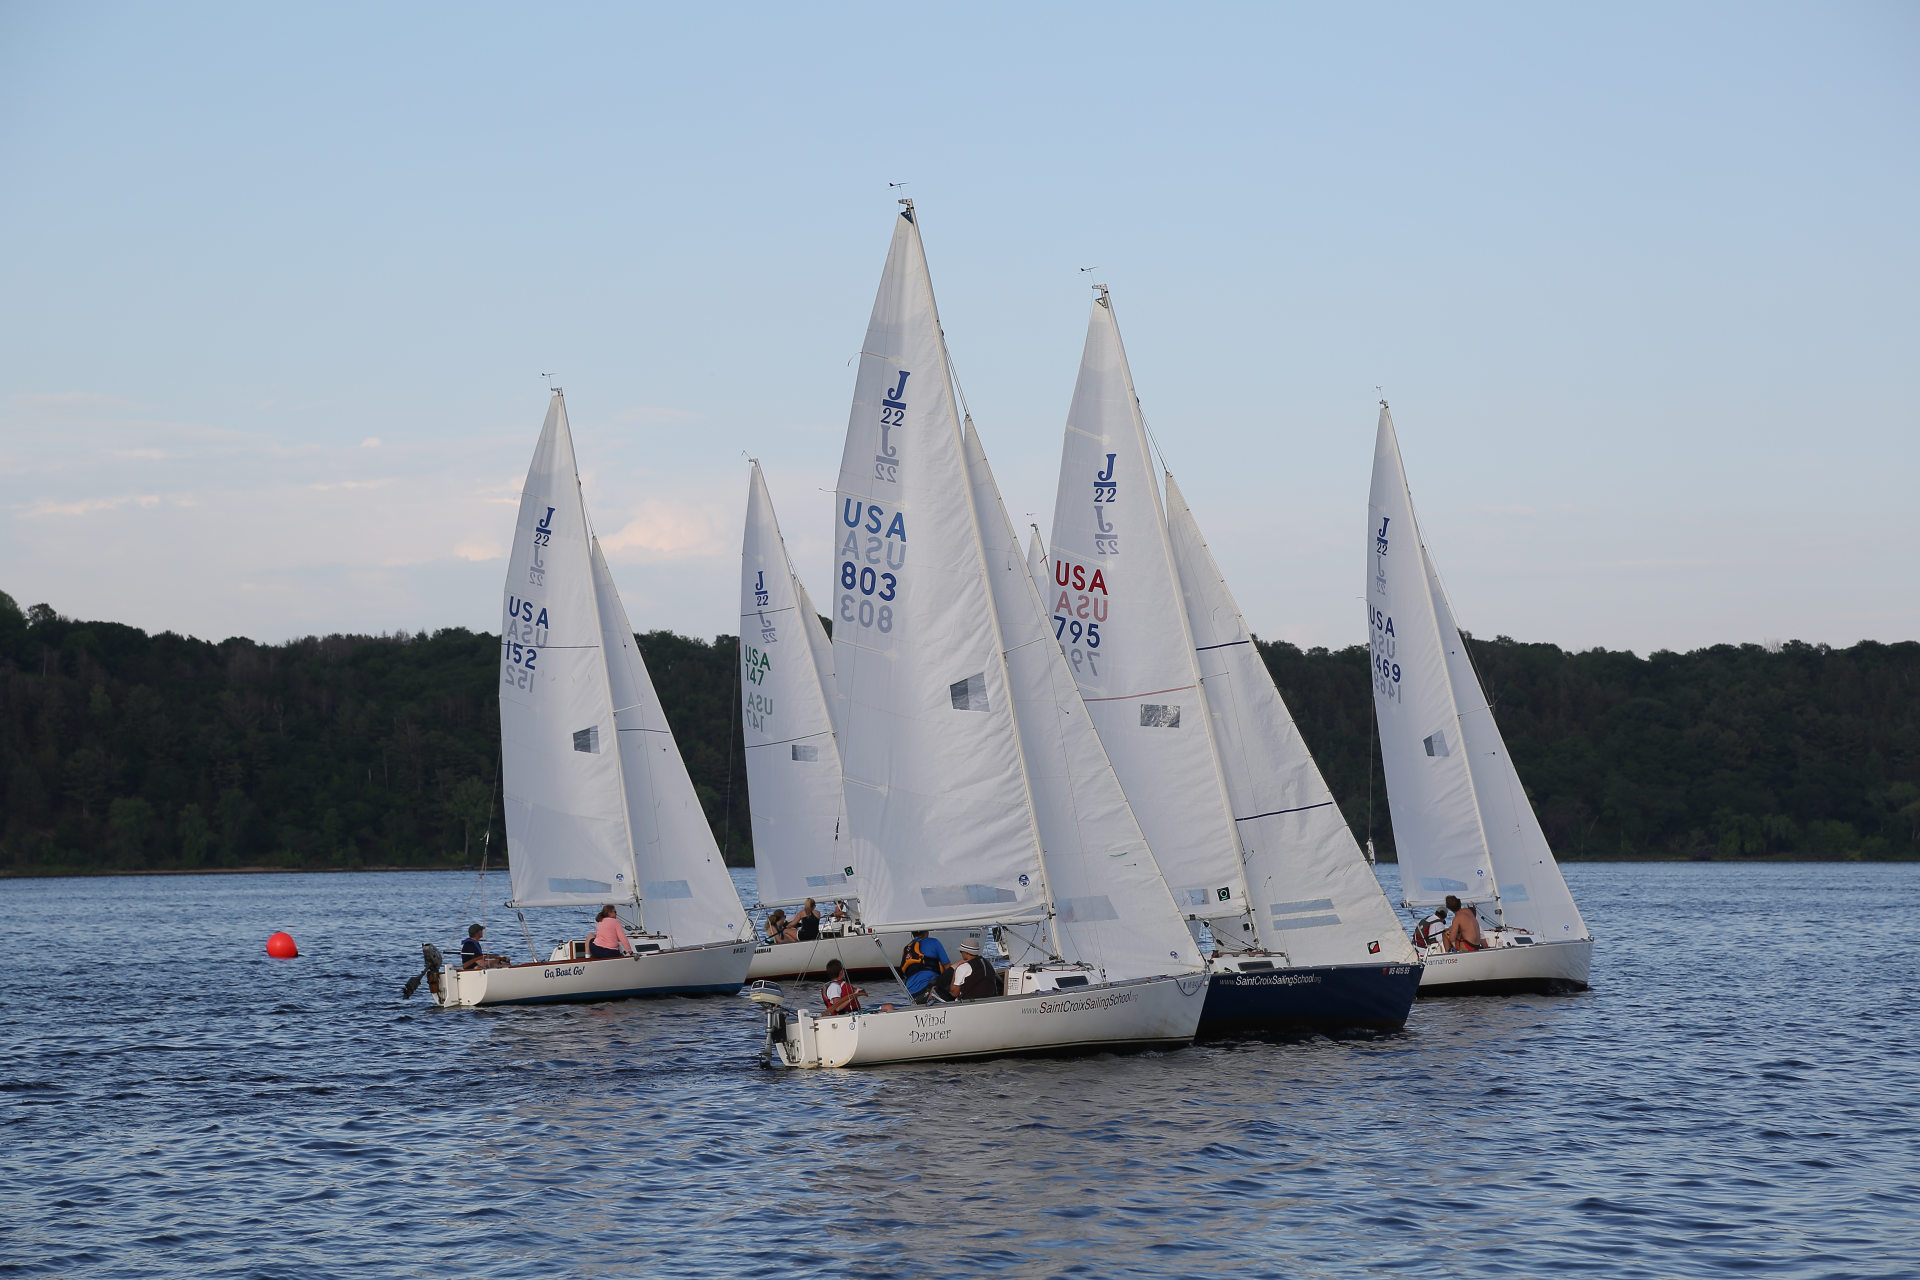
[(1464, 933)]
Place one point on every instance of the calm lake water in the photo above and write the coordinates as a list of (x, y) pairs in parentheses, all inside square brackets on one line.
[(1735, 1096)]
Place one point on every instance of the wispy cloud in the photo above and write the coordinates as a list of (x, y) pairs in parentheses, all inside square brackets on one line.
[(87, 506), (667, 531), (352, 484)]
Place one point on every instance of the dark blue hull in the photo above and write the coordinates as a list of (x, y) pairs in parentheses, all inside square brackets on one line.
[(1351, 997)]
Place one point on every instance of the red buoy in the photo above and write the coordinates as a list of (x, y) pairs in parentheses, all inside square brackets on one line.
[(281, 946)]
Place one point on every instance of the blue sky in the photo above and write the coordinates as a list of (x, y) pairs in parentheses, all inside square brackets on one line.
[(1639, 280)]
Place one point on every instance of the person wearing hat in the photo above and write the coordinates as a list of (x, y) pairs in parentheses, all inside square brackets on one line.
[(974, 977), (473, 952)]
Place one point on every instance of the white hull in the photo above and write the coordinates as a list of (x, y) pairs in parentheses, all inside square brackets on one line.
[(1541, 966), (714, 969), (1143, 1014), (863, 954)]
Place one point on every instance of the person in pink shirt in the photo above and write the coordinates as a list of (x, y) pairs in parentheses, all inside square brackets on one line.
[(609, 939)]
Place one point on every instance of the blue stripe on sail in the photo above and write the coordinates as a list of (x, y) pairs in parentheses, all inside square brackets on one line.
[(966, 895), (821, 882), (598, 888), (1304, 922), (657, 889), (1295, 908)]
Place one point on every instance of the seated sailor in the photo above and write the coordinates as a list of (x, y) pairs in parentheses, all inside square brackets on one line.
[(923, 964), (1427, 931), (1464, 933), (807, 927), (839, 994), (779, 928), (839, 911), (473, 952), (974, 977), (609, 938)]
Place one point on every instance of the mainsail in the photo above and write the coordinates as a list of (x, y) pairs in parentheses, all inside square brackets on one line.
[(1437, 831), (566, 806), (1316, 896), (1111, 907), (939, 823), (793, 762), (599, 806), (1113, 605)]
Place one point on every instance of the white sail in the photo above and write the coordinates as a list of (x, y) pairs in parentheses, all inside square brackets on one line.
[(1437, 834), (566, 808), (1037, 564), (685, 891), (793, 763), (1111, 908), (1316, 897), (1112, 601), (1533, 894), (939, 825)]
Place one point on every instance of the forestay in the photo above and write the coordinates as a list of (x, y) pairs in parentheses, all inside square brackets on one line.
[(1111, 907), (565, 799), (685, 891), (1316, 898), (938, 821), (1430, 789), (1112, 604), (1533, 894), (793, 763)]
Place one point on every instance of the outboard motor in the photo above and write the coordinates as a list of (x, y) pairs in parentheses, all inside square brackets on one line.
[(772, 998), (430, 956)]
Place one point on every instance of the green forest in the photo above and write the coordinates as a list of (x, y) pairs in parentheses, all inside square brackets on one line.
[(123, 751)]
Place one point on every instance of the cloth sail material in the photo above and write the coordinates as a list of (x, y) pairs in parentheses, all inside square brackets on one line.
[(1316, 897), (1533, 893), (793, 762), (599, 806), (1112, 602), (939, 822), (1418, 698), (1111, 907)]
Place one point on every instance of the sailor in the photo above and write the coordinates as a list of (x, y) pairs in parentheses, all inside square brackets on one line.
[(973, 977), (808, 925), (609, 940), (778, 928), (1427, 932), (473, 952), (839, 994), (1464, 933), (922, 965), (839, 910)]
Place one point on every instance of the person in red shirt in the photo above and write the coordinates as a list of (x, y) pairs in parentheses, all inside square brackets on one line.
[(839, 994)]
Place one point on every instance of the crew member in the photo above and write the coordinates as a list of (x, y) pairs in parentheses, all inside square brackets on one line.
[(923, 965), (1427, 932), (974, 977), (808, 925), (1464, 933), (839, 994), (609, 940)]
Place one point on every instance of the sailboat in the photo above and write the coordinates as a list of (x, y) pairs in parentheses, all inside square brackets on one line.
[(1238, 815), (599, 806), (793, 762), (977, 793), (1462, 823)]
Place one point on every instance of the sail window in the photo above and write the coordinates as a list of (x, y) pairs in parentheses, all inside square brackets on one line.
[(1442, 884), (1295, 915), (1155, 716), (590, 888), (1295, 908), (1304, 922), (587, 740), (824, 882), (1514, 893), (969, 694), (657, 889), (805, 753), (966, 895), (1085, 910), (1195, 897), (1436, 745)]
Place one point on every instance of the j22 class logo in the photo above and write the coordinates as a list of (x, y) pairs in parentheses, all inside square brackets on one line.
[(893, 413)]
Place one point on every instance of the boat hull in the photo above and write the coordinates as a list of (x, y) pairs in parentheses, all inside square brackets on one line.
[(867, 956), (684, 971), (1544, 968), (1329, 998), (1150, 1013)]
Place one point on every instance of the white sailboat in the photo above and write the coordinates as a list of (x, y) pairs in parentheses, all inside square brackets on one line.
[(976, 789), (599, 806), (1233, 805), (793, 762), (1462, 823)]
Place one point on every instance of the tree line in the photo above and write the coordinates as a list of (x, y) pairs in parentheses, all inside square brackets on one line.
[(121, 750)]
